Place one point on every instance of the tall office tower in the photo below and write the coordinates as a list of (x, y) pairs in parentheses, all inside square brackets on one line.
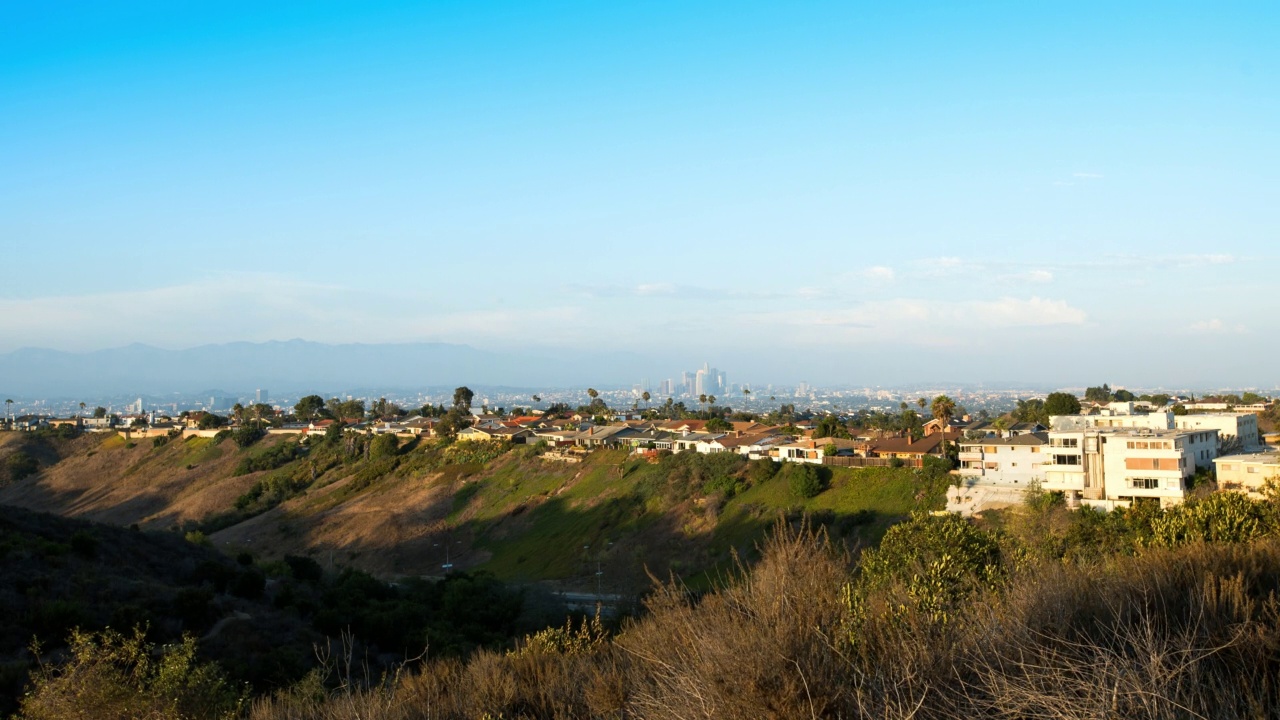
[(667, 388), (261, 396), (723, 382), (687, 383), (700, 383)]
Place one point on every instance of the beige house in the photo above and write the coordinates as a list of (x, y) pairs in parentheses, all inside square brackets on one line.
[(1247, 473)]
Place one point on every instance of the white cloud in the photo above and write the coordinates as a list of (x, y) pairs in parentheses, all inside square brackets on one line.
[(260, 307), (879, 273), (1031, 276), (918, 321), (656, 289), (1214, 326)]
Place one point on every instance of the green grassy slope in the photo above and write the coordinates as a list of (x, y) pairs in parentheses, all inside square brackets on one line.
[(395, 510)]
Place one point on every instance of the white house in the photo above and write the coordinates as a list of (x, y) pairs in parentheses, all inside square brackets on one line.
[(1106, 468), (1015, 461)]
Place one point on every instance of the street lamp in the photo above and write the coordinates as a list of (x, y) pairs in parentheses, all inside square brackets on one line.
[(448, 564)]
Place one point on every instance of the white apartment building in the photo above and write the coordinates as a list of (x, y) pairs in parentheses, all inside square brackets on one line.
[(1110, 467), (1006, 462), (1150, 421), (1236, 431)]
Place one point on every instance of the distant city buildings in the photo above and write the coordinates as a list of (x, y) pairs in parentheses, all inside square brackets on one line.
[(261, 396)]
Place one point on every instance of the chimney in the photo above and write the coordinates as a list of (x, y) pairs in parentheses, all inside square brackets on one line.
[(910, 440), (813, 444)]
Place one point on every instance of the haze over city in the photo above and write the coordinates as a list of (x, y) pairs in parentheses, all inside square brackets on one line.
[(837, 193)]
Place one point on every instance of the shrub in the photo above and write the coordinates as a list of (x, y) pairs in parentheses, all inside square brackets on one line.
[(384, 446), (270, 458), (304, 568), (247, 435), (804, 480), (110, 675), (249, 584), (84, 543), (937, 562), (22, 465)]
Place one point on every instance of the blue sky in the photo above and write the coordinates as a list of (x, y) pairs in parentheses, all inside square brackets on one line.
[(1062, 192)]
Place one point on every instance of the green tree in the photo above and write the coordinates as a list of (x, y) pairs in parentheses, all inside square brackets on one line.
[(719, 424), (1031, 411), (309, 407), (1123, 396), (99, 412), (943, 409), (1061, 403), (209, 421), (1098, 394), (82, 406), (645, 396), (462, 399), (261, 410)]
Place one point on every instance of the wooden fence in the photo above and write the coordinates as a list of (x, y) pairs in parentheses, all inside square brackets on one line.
[(847, 461)]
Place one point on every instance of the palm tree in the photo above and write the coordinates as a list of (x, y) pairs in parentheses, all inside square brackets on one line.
[(82, 408), (646, 397), (746, 393), (943, 408), (1000, 424), (593, 393), (921, 402)]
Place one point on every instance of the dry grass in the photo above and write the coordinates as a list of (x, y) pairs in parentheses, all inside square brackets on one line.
[(1193, 633)]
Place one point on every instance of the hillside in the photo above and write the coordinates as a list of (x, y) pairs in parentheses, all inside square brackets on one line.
[(607, 523), (57, 574)]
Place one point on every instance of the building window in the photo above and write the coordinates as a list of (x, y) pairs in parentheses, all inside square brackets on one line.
[(1066, 459), (1144, 483)]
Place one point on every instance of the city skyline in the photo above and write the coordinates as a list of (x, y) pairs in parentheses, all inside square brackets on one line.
[(978, 193)]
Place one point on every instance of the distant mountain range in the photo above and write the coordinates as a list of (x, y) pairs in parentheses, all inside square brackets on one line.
[(299, 365)]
